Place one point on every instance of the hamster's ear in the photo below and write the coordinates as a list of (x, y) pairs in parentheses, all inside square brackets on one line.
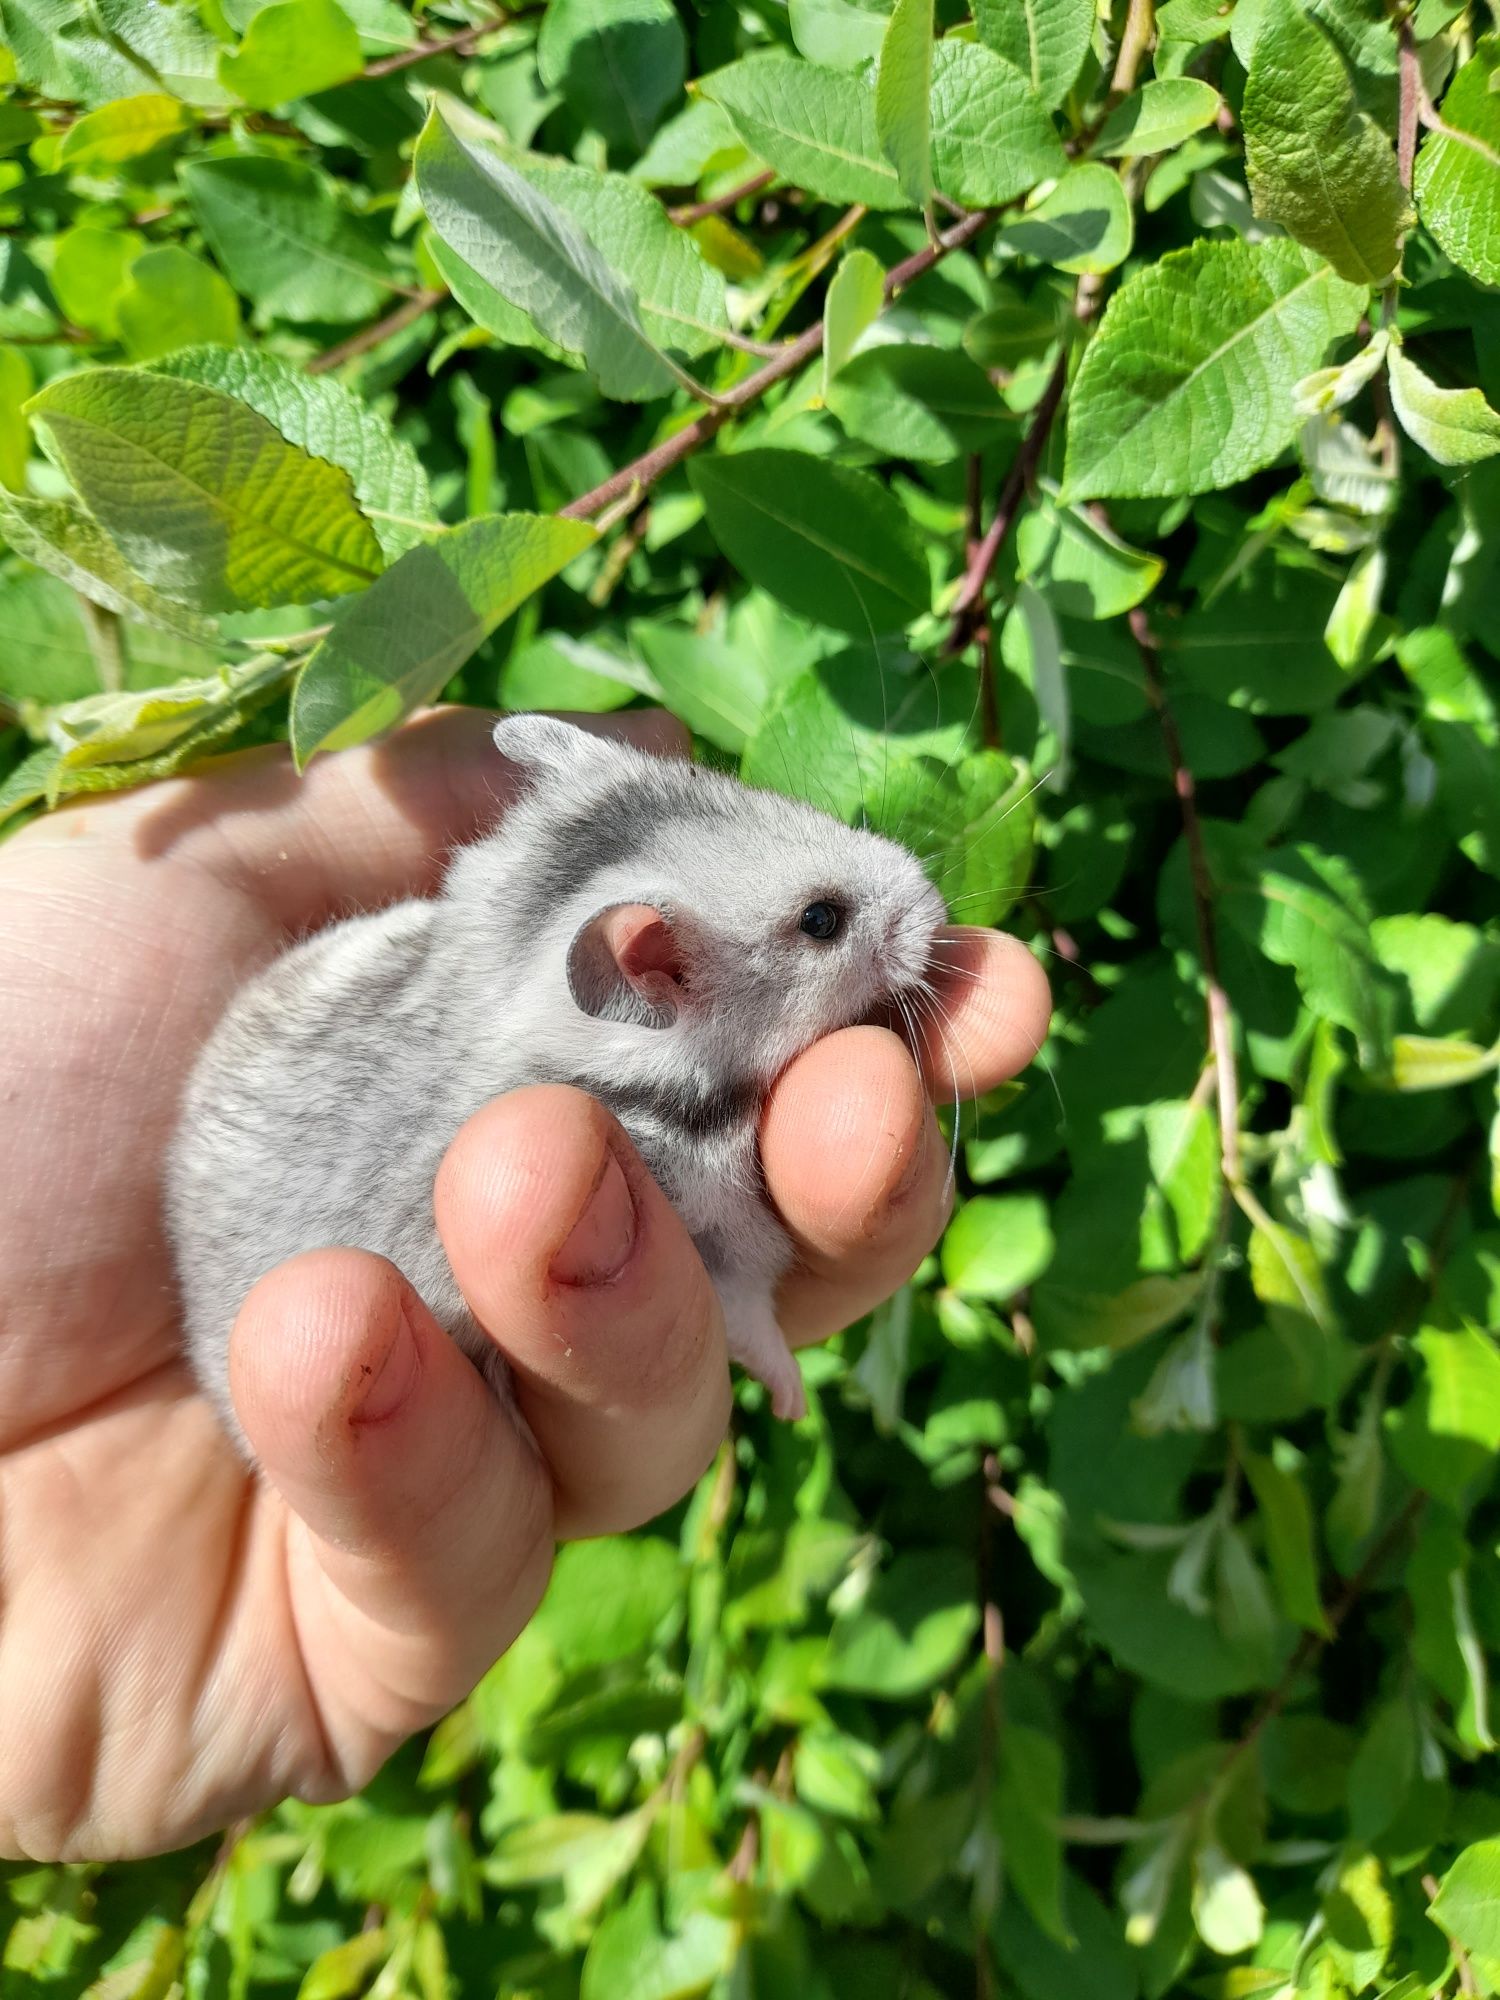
[(544, 743), (626, 964)]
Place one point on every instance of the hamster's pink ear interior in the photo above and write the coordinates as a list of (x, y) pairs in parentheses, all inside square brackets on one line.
[(626, 964)]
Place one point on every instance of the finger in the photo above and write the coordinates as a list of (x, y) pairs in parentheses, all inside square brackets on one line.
[(858, 1170), (990, 1017), (359, 828), (421, 1532), (572, 1258)]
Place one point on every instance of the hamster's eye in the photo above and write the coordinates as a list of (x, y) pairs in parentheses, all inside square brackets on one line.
[(821, 921)]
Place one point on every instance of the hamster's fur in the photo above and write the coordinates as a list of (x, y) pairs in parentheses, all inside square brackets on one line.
[(631, 927)]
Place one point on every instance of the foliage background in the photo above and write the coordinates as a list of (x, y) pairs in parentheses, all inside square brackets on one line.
[(1121, 1619)]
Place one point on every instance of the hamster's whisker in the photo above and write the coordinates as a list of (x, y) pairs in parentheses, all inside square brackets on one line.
[(926, 1001)]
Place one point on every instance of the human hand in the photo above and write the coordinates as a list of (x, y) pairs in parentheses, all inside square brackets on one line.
[(181, 1642)]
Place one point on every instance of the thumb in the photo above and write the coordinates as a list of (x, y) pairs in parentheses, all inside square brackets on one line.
[(419, 1529)]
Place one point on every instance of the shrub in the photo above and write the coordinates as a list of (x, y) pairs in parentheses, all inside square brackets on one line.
[(1066, 438)]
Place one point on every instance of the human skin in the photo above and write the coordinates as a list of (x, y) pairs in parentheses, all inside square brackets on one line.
[(182, 1642)]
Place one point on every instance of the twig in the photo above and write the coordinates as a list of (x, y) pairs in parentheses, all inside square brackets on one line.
[(371, 336), (1411, 101), (696, 211), (1312, 1644), (1017, 481), (643, 472), (983, 634), (460, 44), (1140, 26), (617, 561), (982, 556), (1220, 1018)]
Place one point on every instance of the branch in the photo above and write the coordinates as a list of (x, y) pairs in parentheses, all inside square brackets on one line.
[(1012, 493), (1140, 25), (1411, 102), (1220, 1018), (1312, 1644), (371, 336), (460, 44), (643, 472), (983, 554), (695, 211)]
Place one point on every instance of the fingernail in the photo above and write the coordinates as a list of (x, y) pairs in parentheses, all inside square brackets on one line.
[(382, 1392), (603, 1237)]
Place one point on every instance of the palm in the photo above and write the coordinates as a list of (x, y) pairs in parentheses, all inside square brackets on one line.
[(144, 1534), (181, 1641)]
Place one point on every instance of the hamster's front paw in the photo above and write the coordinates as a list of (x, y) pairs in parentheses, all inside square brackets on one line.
[(758, 1344)]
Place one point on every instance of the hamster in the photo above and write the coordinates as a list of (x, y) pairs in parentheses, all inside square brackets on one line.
[(649, 930)]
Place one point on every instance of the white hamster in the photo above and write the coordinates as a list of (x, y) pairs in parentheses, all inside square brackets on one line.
[(647, 929)]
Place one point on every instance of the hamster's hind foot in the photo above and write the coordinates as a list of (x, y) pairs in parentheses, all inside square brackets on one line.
[(756, 1341)]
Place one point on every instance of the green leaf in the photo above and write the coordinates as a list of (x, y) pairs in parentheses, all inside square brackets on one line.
[(1158, 117), (1288, 1523), (912, 1629), (1467, 1904), (1260, 642), (1458, 168), (537, 258), (1187, 384), (122, 130), (919, 402), (681, 297), (1227, 1909), (618, 63), (1083, 568), (169, 45), (903, 97), (816, 127), (1028, 1804), (284, 241), (328, 420), (1046, 40), (1317, 164), (996, 1245), (202, 496), (1084, 224), (1446, 1437), (1308, 921), (30, 782), (400, 643), (106, 742), (1286, 1274), (977, 827), (171, 298), (720, 691), (89, 270), (856, 293), (830, 732), (484, 305), (991, 139), (1426, 1062), (631, 1954), (841, 34), (587, 1852), (16, 385), (829, 542), (28, 309), (67, 542), (291, 49), (1454, 426)]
